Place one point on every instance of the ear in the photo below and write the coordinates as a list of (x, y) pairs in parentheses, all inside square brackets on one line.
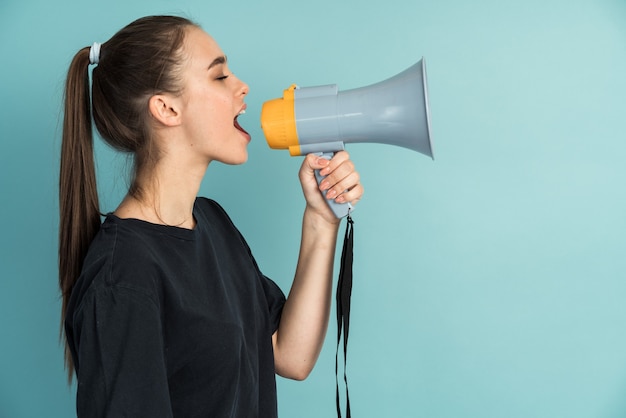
[(164, 108)]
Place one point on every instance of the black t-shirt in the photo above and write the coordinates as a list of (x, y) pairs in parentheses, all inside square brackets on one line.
[(172, 322)]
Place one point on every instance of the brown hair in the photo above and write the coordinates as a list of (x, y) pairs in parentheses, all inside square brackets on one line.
[(139, 61)]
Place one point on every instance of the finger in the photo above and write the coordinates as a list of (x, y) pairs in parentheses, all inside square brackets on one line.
[(339, 175), (311, 163), (338, 159), (353, 195), (348, 187), (317, 163)]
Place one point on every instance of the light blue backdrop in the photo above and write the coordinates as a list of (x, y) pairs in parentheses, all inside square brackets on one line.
[(489, 283)]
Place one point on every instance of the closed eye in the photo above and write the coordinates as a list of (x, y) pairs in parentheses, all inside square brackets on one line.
[(219, 62)]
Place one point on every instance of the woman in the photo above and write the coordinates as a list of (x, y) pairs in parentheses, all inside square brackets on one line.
[(166, 313)]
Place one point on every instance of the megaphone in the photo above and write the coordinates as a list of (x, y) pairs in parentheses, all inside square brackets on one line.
[(322, 119)]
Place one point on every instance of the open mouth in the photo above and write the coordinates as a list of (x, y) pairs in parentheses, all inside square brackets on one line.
[(236, 122)]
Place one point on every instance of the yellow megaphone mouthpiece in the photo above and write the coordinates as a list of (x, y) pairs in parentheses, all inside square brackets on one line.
[(278, 121)]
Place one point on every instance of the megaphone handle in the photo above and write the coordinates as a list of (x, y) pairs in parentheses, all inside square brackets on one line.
[(340, 210)]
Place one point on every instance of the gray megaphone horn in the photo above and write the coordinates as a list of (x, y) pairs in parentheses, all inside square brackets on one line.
[(322, 119)]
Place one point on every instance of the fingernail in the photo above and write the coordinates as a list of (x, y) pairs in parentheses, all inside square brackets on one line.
[(331, 194), (324, 185), (323, 161)]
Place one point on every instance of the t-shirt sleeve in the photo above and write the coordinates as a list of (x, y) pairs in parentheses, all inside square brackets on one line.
[(121, 360), (275, 301)]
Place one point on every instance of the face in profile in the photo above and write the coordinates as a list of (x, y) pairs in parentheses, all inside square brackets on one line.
[(212, 100)]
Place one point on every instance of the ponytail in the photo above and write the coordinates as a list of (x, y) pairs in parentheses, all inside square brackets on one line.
[(79, 209)]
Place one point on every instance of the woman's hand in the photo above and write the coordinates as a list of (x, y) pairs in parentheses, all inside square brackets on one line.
[(341, 183)]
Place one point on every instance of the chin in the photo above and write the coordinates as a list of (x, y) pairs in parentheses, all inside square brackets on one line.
[(236, 160), (243, 158)]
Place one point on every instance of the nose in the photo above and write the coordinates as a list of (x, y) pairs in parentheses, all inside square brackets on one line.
[(243, 88)]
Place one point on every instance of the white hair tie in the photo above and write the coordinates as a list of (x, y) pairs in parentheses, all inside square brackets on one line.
[(94, 53)]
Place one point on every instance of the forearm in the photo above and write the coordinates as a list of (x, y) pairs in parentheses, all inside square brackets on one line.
[(304, 320)]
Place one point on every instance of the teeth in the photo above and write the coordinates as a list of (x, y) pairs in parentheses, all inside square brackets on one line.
[(241, 113)]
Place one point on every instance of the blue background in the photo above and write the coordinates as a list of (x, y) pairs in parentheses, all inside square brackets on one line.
[(488, 283)]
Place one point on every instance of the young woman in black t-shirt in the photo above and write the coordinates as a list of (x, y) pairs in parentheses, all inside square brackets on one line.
[(162, 90)]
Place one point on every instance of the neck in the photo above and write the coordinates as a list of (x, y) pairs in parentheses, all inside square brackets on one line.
[(167, 194)]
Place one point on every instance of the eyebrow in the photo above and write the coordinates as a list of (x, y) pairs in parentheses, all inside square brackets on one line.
[(217, 61)]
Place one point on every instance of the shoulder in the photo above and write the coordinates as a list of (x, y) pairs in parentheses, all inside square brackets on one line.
[(210, 212), (119, 258), (214, 221), (209, 207), (130, 247)]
